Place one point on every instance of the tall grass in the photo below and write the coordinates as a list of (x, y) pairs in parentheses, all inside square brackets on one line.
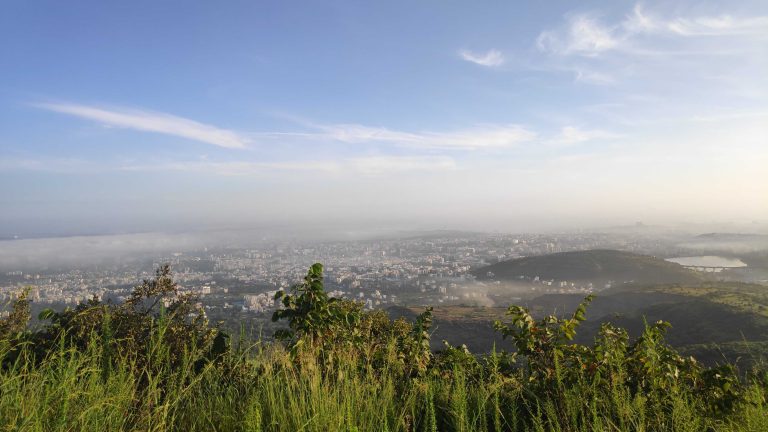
[(104, 367), (264, 388)]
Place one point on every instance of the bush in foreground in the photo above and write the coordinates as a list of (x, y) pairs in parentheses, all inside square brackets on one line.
[(154, 363)]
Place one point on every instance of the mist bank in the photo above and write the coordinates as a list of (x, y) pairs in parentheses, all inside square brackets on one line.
[(728, 243), (77, 251)]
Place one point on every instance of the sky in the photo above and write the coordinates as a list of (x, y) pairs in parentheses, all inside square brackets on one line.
[(168, 115)]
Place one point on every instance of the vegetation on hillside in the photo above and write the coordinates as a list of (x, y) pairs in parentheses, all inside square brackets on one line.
[(154, 363), (715, 321), (744, 297), (599, 266)]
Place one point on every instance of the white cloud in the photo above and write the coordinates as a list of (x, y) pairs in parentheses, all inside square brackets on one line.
[(658, 51), (492, 58), (641, 21), (729, 116), (355, 133), (234, 167), (369, 165), (149, 121), (571, 135), (481, 136), (488, 136), (389, 164), (584, 35), (55, 165), (592, 77)]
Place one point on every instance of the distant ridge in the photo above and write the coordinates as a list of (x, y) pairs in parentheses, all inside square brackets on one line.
[(732, 236), (600, 266), (732, 243)]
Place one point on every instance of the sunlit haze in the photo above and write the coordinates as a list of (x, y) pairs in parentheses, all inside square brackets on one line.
[(410, 115)]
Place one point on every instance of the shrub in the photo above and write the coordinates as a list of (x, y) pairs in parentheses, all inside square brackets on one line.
[(157, 326), (156, 363)]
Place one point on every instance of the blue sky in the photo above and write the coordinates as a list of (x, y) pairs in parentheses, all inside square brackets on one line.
[(501, 115)]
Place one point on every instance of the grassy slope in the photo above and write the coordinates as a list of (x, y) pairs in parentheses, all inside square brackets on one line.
[(706, 319), (748, 298), (593, 265)]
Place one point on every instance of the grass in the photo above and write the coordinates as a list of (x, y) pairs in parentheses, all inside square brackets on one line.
[(104, 367), (264, 388), (749, 298)]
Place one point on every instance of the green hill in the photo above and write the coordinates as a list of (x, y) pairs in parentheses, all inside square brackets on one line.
[(597, 266), (713, 320), (743, 297)]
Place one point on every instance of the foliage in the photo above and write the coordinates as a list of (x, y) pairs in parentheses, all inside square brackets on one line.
[(319, 325), (13, 325), (311, 314), (156, 324), (145, 365)]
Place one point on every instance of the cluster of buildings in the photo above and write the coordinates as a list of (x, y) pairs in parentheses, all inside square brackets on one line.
[(428, 269)]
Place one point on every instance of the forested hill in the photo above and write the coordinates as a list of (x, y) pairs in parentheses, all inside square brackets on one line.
[(715, 321), (599, 266)]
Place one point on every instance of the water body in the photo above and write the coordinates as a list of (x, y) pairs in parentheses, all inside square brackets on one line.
[(708, 261)]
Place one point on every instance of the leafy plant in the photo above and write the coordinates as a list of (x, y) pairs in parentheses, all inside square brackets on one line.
[(312, 315), (155, 363), (15, 323), (155, 315)]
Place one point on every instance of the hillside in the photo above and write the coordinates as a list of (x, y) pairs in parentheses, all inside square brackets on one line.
[(597, 266), (713, 320), (742, 297)]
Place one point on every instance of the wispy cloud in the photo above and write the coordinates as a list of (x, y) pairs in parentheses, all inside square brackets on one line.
[(476, 137), (587, 35), (390, 164), (203, 166), (583, 35), (234, 168), (369, 165), (481, 136), (54, 165), (586, 75), (641, 21), (149, 121), (571, 135), (729, 116), (492, 58), (647, 48)]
